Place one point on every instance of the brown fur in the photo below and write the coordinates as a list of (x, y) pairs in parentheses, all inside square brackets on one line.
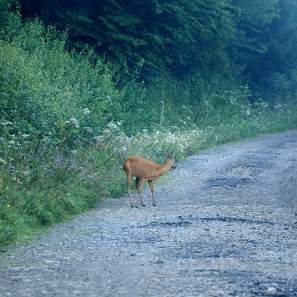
[(145, 170)]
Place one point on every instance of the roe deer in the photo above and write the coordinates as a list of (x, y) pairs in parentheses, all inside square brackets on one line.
[(145, 170)]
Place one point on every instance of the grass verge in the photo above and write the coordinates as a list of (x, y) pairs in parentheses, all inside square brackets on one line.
[(42, 183)]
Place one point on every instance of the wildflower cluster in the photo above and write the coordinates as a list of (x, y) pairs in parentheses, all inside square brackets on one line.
[(113, 139), (154, 145)]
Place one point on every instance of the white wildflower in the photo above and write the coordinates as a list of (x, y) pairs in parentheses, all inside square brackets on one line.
[(99, 138), (107, 132), (112, 126), (86, 111), (74, 121), (100, 141), (109, 100), (89, 130)]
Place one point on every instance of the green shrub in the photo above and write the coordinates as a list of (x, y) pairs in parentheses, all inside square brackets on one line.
[(66, 126), (42, 85)]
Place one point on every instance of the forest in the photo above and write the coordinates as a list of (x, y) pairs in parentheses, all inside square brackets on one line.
[(83, 84)]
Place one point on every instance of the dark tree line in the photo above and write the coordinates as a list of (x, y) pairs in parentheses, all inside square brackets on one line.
[(252, 38)]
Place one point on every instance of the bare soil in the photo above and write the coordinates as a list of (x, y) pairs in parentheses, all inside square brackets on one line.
[(225, 224)]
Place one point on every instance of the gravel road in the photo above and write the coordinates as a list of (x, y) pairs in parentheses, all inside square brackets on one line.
[(225, 225)]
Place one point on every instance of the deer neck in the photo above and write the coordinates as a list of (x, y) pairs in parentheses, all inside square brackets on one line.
[(165, 167)]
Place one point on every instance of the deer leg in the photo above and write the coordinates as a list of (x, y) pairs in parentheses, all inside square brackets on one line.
[(128, 189), (140, 188), (150, 182), (137, 187), (137, 183)]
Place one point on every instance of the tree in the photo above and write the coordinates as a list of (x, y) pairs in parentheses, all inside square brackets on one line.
[(275, 70), (145, 36), (253, 20), (4, 6)]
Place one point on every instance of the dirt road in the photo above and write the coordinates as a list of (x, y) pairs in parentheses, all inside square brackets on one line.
[(225, 225)]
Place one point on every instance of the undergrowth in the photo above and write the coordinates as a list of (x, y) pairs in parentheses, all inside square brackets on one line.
[(42, 183), (68, 122)]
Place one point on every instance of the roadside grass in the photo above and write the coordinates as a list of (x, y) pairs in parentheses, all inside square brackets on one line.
[(42, 184)]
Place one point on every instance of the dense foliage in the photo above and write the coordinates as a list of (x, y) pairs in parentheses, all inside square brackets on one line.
[(247, 41), (87, 83), (145, 35), (181, 36)]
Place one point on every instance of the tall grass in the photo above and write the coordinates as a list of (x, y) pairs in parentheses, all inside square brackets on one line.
[(42, 183), (66, 126)]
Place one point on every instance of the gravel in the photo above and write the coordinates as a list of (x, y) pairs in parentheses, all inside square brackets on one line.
[(225, 225)]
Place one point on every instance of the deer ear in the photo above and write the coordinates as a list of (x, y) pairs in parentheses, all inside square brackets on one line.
[(172, 153)]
